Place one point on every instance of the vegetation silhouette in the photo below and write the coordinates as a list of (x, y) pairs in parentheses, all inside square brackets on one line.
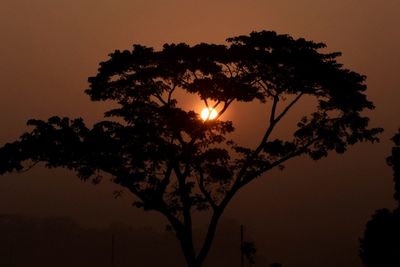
[(380, 245), (171, 160), (62, 242), (248, 250)]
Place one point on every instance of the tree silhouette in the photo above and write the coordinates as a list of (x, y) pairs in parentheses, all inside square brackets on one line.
[(380, 245), (171, 160)]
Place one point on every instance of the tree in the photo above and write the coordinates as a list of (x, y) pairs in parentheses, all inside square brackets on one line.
[(380, 245), (171, 160)]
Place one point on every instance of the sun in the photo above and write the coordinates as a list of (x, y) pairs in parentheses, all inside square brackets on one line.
[(208, 114)]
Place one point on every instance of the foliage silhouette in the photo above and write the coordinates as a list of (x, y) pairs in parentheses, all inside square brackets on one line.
[(249, 250), (380, 245), (172, 161)]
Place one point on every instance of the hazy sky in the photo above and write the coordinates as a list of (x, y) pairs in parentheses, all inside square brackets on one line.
[(311, 214)]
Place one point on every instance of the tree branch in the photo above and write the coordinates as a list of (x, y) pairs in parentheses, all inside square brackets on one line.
[(226, 105), (212, 227), (165, 181), (203, 190), (263, 86), (268, 132), (278, 162), (289, 106), (186, 207), (272, 122), (273, 110), (217, 213), (229, 69), (170, 93), (161, 99), (29, 167)]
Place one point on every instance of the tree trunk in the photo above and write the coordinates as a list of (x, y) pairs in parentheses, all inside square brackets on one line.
[(194, 264)]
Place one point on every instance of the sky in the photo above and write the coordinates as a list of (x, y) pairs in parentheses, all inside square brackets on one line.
[(310, 214)]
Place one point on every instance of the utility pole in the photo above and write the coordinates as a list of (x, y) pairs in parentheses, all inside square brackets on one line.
[(112, 250), (241, 246), (11, 254)]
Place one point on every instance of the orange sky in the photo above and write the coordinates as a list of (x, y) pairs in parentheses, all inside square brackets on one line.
[(48, 49)]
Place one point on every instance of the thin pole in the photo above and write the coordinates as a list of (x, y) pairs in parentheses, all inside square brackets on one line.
[(112, 251), (241, 246), (11, 254)]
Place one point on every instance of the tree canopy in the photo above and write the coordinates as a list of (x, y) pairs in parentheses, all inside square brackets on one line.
[(171, 160)]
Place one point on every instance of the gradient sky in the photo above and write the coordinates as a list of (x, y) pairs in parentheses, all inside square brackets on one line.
[(311, 214)]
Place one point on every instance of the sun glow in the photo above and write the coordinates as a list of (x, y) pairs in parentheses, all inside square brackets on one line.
[(208, 114)]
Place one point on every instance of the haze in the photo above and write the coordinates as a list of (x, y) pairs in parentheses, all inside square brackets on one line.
[(311, 214)]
